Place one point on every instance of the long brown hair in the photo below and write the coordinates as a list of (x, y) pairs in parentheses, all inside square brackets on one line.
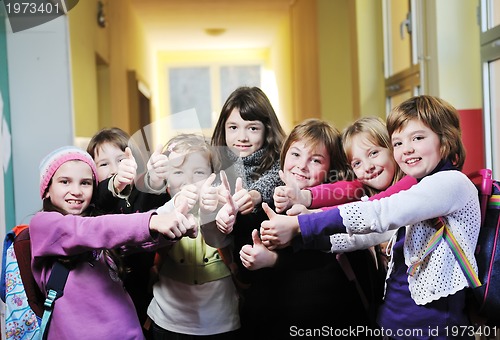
[(252, 104)]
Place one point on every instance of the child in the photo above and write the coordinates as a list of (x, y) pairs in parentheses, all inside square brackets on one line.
[(95, 304), (195, 295), (248, 139), (303, 284), (423, 293), (118, 193), (116, 168)]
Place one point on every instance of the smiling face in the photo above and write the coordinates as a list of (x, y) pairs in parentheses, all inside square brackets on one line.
[(243, 137), (107, 157), (72, 187), (309, 167), (372, 164), (192, 168), (416, 149)]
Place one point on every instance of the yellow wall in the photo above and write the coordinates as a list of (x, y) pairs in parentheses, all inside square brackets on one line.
[(280, 59), (458, 53), (84, 34), (335, 62), (351, 60), (370, 58), (121, 46), (305, 60)]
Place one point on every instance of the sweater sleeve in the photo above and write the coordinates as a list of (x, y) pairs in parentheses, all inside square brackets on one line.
[(266, 183), (331, 194), (404, 184), (434, 196), (322, 223), (54, 234), (430, 198)]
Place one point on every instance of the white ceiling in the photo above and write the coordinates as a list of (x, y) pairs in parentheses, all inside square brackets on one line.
[(181, 24)]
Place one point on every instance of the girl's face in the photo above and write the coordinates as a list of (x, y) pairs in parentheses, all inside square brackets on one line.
[(372, 164), (107, 158), (72, 187), (192, 168), (309, 167), (243, 137), (416, 149)]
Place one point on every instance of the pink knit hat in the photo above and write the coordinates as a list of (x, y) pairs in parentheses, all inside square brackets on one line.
[(52, 162)]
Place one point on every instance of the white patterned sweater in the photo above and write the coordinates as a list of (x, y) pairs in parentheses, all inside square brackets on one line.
[(449, 194)]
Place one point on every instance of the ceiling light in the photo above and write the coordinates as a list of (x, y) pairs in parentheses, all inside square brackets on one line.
[(214, 32)]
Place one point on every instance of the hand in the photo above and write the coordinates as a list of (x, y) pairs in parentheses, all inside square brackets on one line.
[(298, 209), (189, 195), (257, 256), (209, 196), (289, 194), (127, 169), (279, 230), (243, 198), (175, 224), (226, 217), (157, 168)]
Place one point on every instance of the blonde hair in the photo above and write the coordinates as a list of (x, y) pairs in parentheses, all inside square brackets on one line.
[(188, 143), (376, 131), (437, 114)]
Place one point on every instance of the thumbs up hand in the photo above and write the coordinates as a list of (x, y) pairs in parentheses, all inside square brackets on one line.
[(226, 216), (242, 198), (257, 256), (298, 209), (289, 194), (188, 197), (157, 168), (209, 196), (279, 230), (126, 172), (175, 224), (187, 220)]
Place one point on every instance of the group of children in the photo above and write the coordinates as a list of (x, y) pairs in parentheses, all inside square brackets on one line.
[(281, 232)]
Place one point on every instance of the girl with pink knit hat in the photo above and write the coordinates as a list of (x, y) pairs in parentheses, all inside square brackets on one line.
[(94, 305)]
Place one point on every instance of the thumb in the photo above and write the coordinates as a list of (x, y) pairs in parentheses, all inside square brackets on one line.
[(225, 181), (159, 149), (183, 206), (255, 237), (239, 184), (269, 212), (128, 153), (282, 176), (230, 201), (209, 180)]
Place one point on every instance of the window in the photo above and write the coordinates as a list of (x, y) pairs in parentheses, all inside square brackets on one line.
[(490, 58), (206, 88)]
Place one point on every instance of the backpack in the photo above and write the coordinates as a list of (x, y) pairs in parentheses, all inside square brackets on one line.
[(487, 295), (27, 310)]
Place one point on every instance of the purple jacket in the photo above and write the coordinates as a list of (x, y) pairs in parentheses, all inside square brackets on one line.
[(94, 306)]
